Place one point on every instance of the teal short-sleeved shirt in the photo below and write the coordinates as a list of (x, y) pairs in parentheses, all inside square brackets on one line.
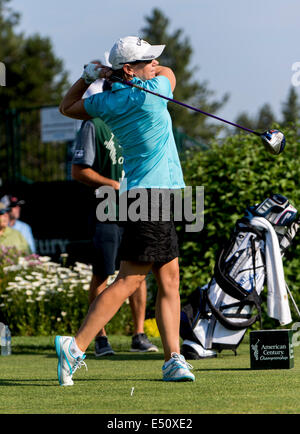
[(142, 124)]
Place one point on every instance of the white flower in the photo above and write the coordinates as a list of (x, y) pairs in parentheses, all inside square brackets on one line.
[(63, 313), (19, 279), (80, 265), (63, 277), (12, 268), (43, 289), (47, 280), (29, 277), (63, 270), (44, 258), (22, 283), (29, 292), (86, 287), (11, 288), (85, 273), (35, 273)]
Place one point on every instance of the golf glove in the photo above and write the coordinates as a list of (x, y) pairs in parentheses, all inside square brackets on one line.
[(90, 73)]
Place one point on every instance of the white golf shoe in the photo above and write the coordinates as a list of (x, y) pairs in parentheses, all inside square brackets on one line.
[(177, 369), (67, 363)]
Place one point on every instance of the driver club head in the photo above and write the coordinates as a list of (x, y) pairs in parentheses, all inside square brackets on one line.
[(274, 141)]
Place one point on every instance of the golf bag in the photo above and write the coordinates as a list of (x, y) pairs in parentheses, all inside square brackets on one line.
[(218, 314)]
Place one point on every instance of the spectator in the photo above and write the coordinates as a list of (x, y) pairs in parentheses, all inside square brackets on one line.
[(14, 219), (11, 237)]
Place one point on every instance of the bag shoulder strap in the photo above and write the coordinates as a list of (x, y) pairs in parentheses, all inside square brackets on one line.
[(228, 284)]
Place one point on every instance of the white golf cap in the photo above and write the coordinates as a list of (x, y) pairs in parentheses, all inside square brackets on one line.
[(132, 49)]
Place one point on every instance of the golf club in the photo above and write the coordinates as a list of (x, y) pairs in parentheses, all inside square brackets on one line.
[(273, 140), (293, 300)]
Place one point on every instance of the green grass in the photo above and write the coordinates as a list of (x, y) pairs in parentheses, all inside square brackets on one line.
[(28, 383)]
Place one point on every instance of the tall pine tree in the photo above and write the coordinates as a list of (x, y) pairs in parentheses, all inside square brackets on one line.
[(261, 122), (265, 118), (291, 108), (34, 75)]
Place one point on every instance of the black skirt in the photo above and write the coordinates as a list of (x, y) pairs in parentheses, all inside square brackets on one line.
[(153, 237)]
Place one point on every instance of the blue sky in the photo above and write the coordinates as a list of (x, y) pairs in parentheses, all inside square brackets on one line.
[(245, 48)]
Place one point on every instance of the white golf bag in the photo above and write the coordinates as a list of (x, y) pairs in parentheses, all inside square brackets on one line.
[(218, 314)]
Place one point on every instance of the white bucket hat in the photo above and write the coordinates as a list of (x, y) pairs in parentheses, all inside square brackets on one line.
[(132, 49)]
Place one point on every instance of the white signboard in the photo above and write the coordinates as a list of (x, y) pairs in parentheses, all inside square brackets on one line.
[(57, 127)]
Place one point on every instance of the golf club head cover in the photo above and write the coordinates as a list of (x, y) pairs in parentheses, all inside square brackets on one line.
[(283, 216), (285, 239), (277, 209)]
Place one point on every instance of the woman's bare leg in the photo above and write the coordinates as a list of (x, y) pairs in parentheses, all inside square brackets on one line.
[(167, 309), (106, 304), (138, 301)]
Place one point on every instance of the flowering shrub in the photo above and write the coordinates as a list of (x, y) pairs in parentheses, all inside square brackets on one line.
[(8, 256), (151, 329), (41, 297)]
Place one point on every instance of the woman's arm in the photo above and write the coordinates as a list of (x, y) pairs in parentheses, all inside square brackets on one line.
[(167, 72), (72, 104)]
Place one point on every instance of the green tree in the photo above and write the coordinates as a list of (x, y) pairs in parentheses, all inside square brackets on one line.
[(265, 118), (244, 120), (263, 121), (291, 107), (177, 55), (34, 75)]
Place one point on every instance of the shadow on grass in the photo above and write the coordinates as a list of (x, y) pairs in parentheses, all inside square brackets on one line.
[(26, 382), (221, 369), (22, 350), (128, 356), (49, 351), (40, 382)]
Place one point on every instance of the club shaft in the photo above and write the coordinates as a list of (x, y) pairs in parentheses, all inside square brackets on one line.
[(293, 300), (187, 106)]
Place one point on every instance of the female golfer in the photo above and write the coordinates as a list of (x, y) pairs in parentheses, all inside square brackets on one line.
[(143, 127)]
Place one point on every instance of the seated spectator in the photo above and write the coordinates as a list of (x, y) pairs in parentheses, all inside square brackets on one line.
[(14, 215), (11, 237)]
